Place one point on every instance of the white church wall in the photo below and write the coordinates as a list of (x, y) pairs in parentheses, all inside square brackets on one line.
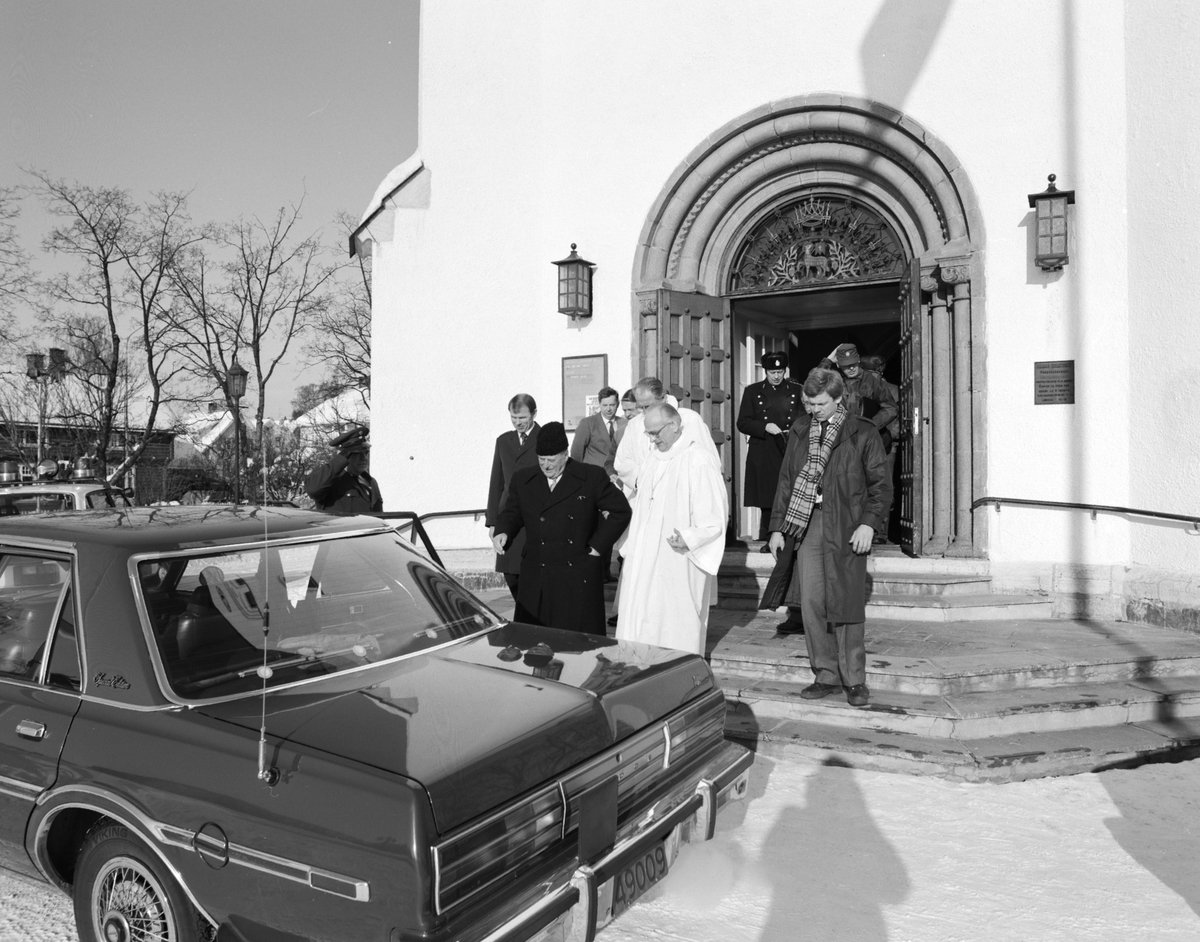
[(543, 125), (1164, 222)]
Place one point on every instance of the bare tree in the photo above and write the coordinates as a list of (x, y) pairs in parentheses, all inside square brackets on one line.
[(122, 251), (341, 340), (249, 294), (16, 273)]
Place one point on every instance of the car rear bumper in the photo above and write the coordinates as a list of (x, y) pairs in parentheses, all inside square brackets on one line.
[(579, 908)]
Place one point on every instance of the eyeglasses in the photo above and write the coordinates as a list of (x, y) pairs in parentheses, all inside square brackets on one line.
[(653, 434)]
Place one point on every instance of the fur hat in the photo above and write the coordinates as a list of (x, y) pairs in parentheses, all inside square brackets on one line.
[(552, 440)]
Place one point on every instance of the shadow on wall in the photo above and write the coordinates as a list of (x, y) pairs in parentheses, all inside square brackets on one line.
[(1148, 828), (897, 45), (832, 869)]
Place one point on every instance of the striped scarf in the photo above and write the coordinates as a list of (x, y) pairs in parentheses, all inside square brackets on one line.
[(804, 491)]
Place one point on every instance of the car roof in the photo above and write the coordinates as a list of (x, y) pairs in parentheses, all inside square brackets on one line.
[(57, 487), (163, 529)]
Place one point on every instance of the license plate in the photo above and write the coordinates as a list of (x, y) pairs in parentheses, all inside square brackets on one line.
[(638, 877)]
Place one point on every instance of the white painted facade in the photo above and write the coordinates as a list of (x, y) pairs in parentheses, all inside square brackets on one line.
[(543, 124)]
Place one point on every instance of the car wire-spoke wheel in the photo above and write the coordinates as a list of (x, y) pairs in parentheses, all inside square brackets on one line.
[(124, 893), (130, 905)]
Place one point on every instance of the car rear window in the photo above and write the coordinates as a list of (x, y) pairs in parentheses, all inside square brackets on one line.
[(13, 504), (298, 611)]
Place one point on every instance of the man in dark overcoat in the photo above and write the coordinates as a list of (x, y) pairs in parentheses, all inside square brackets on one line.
[(343, 484), (571, 514), (767, 411), (514, 449), (834, 494)]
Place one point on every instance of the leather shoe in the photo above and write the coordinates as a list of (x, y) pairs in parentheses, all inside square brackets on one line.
[(790, 628), (612, 621), (818, 690), (858, 695), (764, 548)]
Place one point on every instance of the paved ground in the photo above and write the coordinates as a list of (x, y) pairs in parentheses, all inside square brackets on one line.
[(819, 852)]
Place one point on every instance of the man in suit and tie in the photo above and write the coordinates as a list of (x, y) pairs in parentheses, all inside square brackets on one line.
[(570, 514), (515, 449), (596, 441)]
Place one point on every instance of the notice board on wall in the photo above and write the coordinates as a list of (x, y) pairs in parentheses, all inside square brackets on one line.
[(1054, 382), (582, 379)]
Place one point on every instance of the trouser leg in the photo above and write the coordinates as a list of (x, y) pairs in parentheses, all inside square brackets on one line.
[(820, 642), (513, 579), (764, 522), (851, 653)]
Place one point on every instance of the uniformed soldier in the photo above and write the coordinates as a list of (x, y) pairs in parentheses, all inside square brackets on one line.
[(343, 485), (767, 412), (867, 395)]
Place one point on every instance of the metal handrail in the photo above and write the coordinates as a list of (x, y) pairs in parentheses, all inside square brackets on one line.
[(416, 522), (1194, 519)]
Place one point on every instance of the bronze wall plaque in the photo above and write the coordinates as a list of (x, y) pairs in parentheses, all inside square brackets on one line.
[(1054, 382)]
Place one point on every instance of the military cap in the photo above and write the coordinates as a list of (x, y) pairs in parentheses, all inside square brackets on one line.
[(774, 360), (355, 439), (552, 440), (847, 354)]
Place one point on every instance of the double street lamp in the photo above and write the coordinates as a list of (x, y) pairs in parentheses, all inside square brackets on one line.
[(37, 372), (235, 387)]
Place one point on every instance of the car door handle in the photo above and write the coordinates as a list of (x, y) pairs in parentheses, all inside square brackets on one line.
[(28, 729)]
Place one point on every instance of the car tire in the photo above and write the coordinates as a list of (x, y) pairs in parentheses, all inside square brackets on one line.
[(123, 893)]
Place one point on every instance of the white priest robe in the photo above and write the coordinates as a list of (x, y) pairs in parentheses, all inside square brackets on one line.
[(666, 593), (635, 446)]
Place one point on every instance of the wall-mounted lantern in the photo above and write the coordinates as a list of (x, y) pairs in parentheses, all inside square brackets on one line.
[(1050, 214), (575, 285)]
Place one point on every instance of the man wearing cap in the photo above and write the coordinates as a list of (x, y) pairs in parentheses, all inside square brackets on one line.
[(867, 395), (767, 412), (571, 514), (514, 449), (343, 485)]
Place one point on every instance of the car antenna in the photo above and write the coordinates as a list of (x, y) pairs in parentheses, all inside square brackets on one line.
[(268, 774)]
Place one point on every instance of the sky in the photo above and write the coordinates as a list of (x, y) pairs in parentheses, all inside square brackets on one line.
[(250, 106)]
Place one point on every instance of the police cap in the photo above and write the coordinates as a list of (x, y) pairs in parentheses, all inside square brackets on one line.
[(847, 354), (355, 439), (775, 360)]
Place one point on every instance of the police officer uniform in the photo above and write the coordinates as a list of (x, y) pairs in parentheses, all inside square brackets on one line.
[(334, 489), (763, 403)]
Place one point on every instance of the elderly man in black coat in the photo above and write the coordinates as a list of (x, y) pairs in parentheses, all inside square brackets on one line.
[(571, 514)]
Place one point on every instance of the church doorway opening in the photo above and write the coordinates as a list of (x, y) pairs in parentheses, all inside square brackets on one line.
[(807, 325)]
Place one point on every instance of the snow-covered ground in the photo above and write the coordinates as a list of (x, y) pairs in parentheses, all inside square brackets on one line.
[(827, 853)]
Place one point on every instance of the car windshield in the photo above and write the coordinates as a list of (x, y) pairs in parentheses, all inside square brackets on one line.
[(304, 610)]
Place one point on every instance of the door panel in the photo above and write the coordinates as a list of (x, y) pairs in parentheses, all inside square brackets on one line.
[(695, 363), (911, 494)]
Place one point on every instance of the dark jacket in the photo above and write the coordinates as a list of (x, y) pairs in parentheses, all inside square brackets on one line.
[(336, 491), (763, 403), (882, 407), (562, 584), (855, 490), (509, 455)]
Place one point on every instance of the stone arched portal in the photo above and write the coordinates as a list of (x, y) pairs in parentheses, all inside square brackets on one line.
[(880, 158)]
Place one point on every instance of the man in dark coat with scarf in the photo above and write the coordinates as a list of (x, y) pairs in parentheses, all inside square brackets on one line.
[(833, 496), (514, 449), (571, 514)]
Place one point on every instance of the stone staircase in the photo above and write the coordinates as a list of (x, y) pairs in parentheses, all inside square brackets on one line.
[(964, 682)]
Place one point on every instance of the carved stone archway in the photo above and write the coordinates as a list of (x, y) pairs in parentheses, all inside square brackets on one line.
[(875, 156)]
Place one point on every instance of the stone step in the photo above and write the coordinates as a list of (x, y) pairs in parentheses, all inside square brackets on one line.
[(878, 583), (1003, 758), (973, 606), (977, 715)]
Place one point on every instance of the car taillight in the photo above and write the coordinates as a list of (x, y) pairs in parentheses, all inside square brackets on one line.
[(469, 862)]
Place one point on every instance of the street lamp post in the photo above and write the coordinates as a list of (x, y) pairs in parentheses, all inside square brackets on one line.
[(37, 372), (235, 386)]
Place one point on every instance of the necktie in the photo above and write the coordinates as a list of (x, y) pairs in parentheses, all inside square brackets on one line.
[(521, 438), (611, 434)]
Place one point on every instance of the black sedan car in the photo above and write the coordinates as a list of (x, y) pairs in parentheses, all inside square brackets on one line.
[(270, 724)]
